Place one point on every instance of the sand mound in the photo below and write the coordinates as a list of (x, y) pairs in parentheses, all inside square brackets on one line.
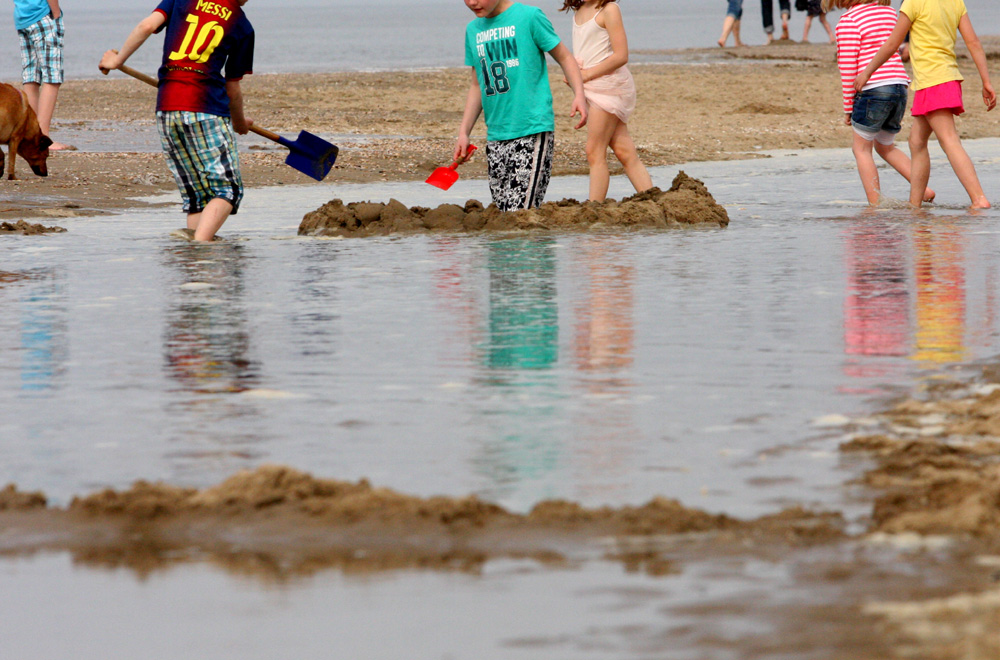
[(687, 202), (27, 229), (938, 464), (278, 520)]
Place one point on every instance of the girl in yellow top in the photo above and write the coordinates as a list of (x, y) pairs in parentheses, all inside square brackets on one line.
[(932, 25)]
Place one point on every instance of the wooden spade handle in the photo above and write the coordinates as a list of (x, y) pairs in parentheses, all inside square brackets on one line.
[(150, 80)]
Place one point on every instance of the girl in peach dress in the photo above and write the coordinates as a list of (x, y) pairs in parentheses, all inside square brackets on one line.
[(601, 48)]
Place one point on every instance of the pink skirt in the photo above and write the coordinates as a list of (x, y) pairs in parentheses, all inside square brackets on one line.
[(613, 93), (946, 96)]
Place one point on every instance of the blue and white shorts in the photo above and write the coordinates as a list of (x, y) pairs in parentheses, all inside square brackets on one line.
[(201, 152), (42, 51)]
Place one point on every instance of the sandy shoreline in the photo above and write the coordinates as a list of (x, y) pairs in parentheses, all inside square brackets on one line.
[(402, 124)]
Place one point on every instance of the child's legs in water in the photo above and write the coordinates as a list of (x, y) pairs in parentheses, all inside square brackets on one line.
[(942, 123), (901, 163), (920, 159), (625, 152), (862, 149)]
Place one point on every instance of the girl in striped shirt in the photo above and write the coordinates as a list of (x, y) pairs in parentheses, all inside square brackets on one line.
[(877, 112)]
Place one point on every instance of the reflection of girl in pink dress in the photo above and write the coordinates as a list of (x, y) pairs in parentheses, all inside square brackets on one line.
[(601, 48)]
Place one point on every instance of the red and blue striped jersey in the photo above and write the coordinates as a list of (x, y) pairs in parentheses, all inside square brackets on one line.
[(207, 42)]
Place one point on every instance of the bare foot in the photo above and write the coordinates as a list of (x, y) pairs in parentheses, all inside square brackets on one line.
[(770, 40), (784, 32), (722, 44), (929, 195), (981, 203), (59, 146), (738, 43)]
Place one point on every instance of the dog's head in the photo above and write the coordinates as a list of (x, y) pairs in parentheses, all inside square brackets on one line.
[(36, 151)]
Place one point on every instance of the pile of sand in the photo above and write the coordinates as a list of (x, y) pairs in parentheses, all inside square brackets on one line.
[(27, 229), (937, 464), (301, 524), (688, 202)]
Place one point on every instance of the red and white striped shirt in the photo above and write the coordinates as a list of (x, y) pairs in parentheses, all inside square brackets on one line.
[(860, 34)]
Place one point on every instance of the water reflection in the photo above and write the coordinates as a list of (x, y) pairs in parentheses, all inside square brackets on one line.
[(519, 357), (43, 327), (206, 341), (906, 295), (940, 280), (318, 286), (604, 351), (877, 301), (524, 316)]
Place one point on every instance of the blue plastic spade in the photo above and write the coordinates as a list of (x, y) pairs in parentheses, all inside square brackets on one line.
[(309, 154)]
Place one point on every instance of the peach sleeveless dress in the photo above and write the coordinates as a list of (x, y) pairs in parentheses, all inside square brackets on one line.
[(614, 92)]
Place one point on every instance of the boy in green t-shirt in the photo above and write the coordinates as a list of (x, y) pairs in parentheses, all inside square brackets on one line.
[(506, 46)]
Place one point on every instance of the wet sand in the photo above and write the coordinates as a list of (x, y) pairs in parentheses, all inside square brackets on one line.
[(917, 579), (722, 105)]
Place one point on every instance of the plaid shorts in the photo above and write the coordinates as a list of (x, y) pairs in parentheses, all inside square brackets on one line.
[(201, 152), (42, 51)]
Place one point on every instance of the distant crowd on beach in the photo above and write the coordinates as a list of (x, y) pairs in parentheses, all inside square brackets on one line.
[(209, 48), (813, 9)]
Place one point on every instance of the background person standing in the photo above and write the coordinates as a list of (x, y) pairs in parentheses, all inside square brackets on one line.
[(39, 25)]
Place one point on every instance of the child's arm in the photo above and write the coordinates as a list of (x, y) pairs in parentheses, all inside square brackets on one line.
[(569, 66), (890, 46), (848, 51), (113, 59), (613, 23), (473, 108), (976, 50), (240, 123), (54, 9)]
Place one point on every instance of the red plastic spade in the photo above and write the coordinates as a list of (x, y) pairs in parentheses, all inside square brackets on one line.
[(445, 177)]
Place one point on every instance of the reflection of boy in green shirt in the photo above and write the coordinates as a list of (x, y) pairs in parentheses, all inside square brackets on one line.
[(506, 46)]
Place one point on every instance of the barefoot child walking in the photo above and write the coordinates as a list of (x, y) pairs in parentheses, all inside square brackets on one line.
[(601, 49), (506, 46), (207, 50), (877, 111), (933, 26)]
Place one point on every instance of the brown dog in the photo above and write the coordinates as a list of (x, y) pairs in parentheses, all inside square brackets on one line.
[(19, 131)]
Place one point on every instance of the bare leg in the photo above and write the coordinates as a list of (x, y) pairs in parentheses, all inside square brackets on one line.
[(901, 163), (210, 220), (862, 149), (942, 122), (826, 26), (784, 26), (920, 160), (42, 99), (727, 27), (625, 152), (600, 127), (805, 34), (736, 33)]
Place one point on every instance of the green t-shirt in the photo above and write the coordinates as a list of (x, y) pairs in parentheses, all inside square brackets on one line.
[(508, 53)]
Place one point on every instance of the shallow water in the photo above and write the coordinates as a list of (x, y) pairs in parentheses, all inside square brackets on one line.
[(600, 368)]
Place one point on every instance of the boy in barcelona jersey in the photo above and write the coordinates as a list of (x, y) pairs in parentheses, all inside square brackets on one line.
[(207, 50)]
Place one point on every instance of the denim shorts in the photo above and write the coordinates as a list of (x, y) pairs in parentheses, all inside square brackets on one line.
[(878, 112), (735, 9)]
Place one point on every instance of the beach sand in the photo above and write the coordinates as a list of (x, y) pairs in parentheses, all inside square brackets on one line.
[(402, 124)]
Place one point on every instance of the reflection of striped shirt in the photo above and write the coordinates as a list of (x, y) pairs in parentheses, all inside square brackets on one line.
[(860, 34)]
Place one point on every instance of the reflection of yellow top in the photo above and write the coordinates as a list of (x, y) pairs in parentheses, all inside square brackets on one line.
[(932, 40)]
